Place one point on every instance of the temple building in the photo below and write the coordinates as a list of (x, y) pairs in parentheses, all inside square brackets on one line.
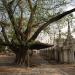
[(65, 50)]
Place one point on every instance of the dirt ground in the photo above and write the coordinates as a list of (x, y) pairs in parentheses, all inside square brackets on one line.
[(42, 68)]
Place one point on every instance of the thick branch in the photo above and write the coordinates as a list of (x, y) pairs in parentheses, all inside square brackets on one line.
[(30, 22), (21, 16), (4, 34), (56, 18), (12, 19), (30, 5)]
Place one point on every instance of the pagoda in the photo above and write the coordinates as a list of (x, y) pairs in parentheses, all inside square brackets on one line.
[(68, 47)]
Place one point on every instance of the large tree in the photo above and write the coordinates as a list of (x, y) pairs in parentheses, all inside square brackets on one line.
[(21, 16)]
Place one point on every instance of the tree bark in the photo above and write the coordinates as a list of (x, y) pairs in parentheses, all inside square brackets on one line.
[(21, 57)]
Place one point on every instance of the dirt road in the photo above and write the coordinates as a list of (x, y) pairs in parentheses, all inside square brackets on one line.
[(43, 68)]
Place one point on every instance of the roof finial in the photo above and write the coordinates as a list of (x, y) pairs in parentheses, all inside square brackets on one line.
[(69, 31)]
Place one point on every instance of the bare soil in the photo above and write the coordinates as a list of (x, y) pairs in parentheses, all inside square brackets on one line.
[(42, 67)]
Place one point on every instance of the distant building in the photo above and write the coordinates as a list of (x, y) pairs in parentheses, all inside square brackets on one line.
[(65, 49)]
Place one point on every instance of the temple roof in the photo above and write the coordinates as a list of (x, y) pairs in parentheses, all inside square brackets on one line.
[(69, 41)]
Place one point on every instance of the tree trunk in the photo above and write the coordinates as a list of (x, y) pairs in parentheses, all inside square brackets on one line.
[(21, 56)]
